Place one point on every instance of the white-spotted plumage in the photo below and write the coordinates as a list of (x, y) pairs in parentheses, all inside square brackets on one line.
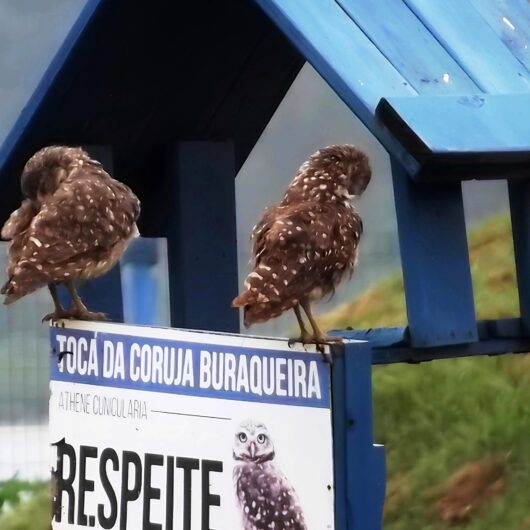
[(307, 243), (266, 499)]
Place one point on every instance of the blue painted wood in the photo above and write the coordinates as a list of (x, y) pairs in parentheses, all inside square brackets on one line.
[(510, 20), (338, 389), (139, 284), (409, 46), (365, 468), (481, 136), (51, 73), (460, 29), (340, 52), (435, 259), (378, 483), (104, 294), (519, 193), (202, 247), (393, 345)]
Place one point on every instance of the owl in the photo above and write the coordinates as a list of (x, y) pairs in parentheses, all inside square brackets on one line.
[(307, 244), (265, 497), (73, 224)]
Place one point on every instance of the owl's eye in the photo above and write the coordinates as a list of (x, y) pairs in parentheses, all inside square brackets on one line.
[(261, 438), (242, 437)]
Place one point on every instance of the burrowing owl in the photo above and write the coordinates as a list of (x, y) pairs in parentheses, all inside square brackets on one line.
[(307, 244), (266, 499), (74, 224)]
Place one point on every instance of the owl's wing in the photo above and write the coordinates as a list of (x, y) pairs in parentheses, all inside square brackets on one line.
[(78, 224), (19, 220), (296, 226)]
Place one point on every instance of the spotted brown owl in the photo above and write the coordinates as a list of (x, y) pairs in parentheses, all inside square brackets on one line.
[(307, 244), (73, 224), (266, 499)]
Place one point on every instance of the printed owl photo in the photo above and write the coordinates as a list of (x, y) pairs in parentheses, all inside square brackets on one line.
[(305, 246), (74, 224), (265, 497)]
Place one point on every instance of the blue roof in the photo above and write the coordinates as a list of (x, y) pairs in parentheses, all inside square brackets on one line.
[(434, 81), (441, 84)]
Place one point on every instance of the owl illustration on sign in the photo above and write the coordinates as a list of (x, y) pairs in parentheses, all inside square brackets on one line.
[(74, 224), (307, 244), (265, 497)]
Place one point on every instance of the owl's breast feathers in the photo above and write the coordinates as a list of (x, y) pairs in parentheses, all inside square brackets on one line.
[(302, 251), (78, 231), (266, 498)]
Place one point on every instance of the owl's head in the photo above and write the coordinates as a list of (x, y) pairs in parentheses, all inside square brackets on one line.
[(48, 167), (336, 173), (346, 163), (252, 442)]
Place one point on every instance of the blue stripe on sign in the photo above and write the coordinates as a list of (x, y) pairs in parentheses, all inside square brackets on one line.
[(190, 368)]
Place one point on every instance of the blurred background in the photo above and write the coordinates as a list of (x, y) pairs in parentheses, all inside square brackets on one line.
[(456, 432)]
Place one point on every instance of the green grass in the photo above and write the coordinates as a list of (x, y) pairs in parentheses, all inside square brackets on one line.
[(435, 417), (24, 505)]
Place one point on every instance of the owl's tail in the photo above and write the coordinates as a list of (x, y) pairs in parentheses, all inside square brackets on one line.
[(256, 311), (245, 300), (10, 292)]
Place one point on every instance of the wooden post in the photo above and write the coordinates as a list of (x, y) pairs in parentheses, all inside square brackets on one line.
[(202, 246), (519, 193), (435, 260)]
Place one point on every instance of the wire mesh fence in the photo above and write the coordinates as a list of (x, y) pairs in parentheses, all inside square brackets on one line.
[(23, 386), (24, 370)]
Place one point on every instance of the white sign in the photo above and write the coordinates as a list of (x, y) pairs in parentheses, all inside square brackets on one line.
[(163, 429)]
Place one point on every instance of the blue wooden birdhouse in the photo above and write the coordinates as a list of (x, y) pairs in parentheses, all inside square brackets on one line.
[(176, 94)]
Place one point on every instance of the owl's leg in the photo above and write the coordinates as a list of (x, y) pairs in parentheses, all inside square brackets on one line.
[(60, 312), (305, 336), (318, 336), (80, 310)]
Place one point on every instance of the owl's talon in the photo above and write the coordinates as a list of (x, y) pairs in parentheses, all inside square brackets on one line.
[(59, 314), (91, 315), (302, 339)]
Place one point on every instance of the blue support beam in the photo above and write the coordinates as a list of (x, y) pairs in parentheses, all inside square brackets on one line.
[(393, 345), (519, 194), (360, 474), (435, 259), (202, 245)]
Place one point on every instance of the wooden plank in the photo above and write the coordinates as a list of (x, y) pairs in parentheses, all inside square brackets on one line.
[(392, 345), (510, 20), (365, 469), (340, 428), (202, 246), (519, 193), (340, 52), (409, 46), (435, 259), (474, 45), (490, 134)]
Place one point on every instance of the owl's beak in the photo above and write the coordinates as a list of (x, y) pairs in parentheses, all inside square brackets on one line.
[(252, 449)]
